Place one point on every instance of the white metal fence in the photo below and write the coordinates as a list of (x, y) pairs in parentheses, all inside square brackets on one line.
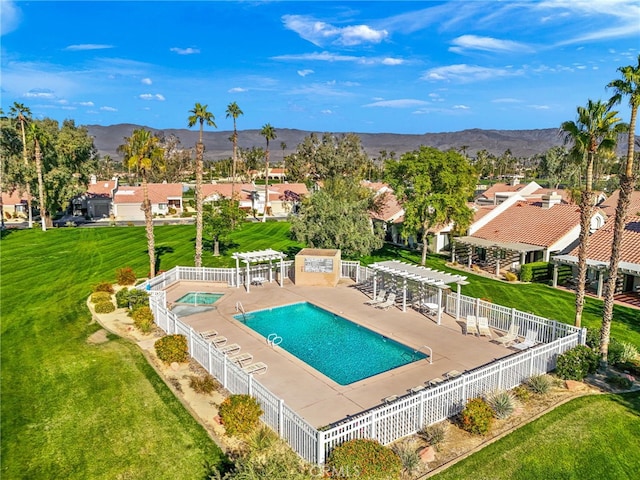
[(385, 423)]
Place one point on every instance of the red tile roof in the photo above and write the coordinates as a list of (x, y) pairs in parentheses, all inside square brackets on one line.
[(101, 187), (158, 193), (388, 208), (528, 222), (501, 187), (600, 242), (610, 204), (14, 198)]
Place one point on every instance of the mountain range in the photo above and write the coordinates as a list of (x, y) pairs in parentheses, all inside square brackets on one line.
[(521, 143)]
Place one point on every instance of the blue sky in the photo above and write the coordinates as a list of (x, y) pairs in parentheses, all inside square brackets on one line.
[(399, 67)]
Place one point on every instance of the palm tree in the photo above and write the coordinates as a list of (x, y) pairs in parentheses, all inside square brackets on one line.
[(141, 150), (200, 115), (36, 135), (283, 146), (269, 133), (596, 128), (233, 110), (23, 115), (627, 86)]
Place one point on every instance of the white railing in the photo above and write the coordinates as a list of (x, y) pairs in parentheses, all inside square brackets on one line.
[(385, 423)]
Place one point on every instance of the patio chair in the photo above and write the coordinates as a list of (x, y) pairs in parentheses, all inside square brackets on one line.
[(510, 336), (230, 349), (258, 368), (471, 326), (377, 299), (208, 334), (217, 340), (241, 358), (530, 339), (389, 302), (483, 327)]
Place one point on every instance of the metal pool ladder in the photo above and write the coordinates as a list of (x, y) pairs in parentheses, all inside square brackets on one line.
[(274, 339), (240, 308)]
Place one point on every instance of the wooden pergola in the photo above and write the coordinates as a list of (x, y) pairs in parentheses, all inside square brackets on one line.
[(257, 257)]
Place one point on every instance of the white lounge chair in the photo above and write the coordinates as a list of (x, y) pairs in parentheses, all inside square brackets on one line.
[(483, 327), (230, 349), (530, 339), (377, 299), (217, 340), (472, 325), (510, 336), (258, 368), (208, 334), (241, 358), (389, 302)]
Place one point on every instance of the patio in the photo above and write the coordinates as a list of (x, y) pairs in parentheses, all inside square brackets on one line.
[(311, 394)]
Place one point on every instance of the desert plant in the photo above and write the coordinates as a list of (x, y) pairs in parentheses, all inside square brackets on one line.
[(502, 403), (577, 363), (100, 297), (521, 393), (125, 276), (511, 277), (240, 415), (104, 307), (621, 352), (205, 384), (434, 435), (172, 348), (137, 299), (143, 319), (477, 417), (407, 452), (539, 384), (103, 287), (364, 459), (122, 298)]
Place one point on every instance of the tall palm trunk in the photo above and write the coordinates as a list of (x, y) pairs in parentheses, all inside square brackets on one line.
[(627, 183), (199, 161), (586, 212), (151, 244), (234, 161), (266, 185), (43, 211), (26, 164)]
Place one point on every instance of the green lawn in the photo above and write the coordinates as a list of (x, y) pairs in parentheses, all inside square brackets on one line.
[(592, 437)]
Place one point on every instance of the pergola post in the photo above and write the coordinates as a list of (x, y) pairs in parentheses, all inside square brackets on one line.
[(523, 258), (281, 271), (439, 302), (270, 271), (470, 255), (375, 283), (458, 302), (237, 272), (600, 282), (555, 275), (453, 252), (404, 294), (248, 279)]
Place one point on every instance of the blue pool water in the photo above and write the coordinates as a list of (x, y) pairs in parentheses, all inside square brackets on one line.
[(200, 298), (338, 348)]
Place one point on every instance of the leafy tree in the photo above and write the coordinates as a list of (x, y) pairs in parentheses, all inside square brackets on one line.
[(220, 219), (176, 161), (596, 128), (627, 86), (269, 133), (433, 187), (283, 146), (338, 217), (141, 150), (233, 110), (251, 157), (554, 165), (22, 115), (200, 115)]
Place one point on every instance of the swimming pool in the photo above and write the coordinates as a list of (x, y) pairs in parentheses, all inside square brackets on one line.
[(200, 298), (342, 350)]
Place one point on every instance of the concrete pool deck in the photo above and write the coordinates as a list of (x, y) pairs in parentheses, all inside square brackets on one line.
[(311, 394)]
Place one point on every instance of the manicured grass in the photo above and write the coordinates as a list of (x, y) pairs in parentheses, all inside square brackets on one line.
[(592, 437), (535, 298)]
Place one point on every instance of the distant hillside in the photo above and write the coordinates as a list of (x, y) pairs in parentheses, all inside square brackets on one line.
[(522, 143)]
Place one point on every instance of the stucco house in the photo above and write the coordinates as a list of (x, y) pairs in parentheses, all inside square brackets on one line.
[(127, 200), (97, 201)]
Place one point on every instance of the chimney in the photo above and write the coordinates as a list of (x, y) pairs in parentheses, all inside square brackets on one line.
[(550, 200), (515, 180), (94, 180)]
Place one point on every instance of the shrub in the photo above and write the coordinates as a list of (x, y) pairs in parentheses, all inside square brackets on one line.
[(477, 417), (619, 381), (172, 348), (103, 287), (535, 272), (502, 403), (203, 384), (407, 452), (143, 319), (364, 459), (137, 299), (521, 393), (104, 307), (97, 297), (577, 363), (621, 352), (240, 415), (539, 384), (511, 277), (593, 339), (122, 298), (126, 276), (434, 435)]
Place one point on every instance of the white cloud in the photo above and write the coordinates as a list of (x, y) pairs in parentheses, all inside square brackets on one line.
[(506, 100), (86, 104), (334, 57), (461, 107), (41, 93), (305, 72), (10, 18), (108, 109), (320, 33), (466, 73), (152, 96), (392, 61), (184, 51), (237, 90), (326, 112), (146, 81), (87, 46), (488, 44), (400, 103), (539, 107)]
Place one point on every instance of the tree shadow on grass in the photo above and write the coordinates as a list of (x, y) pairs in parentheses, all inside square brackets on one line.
[(159, 252)]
